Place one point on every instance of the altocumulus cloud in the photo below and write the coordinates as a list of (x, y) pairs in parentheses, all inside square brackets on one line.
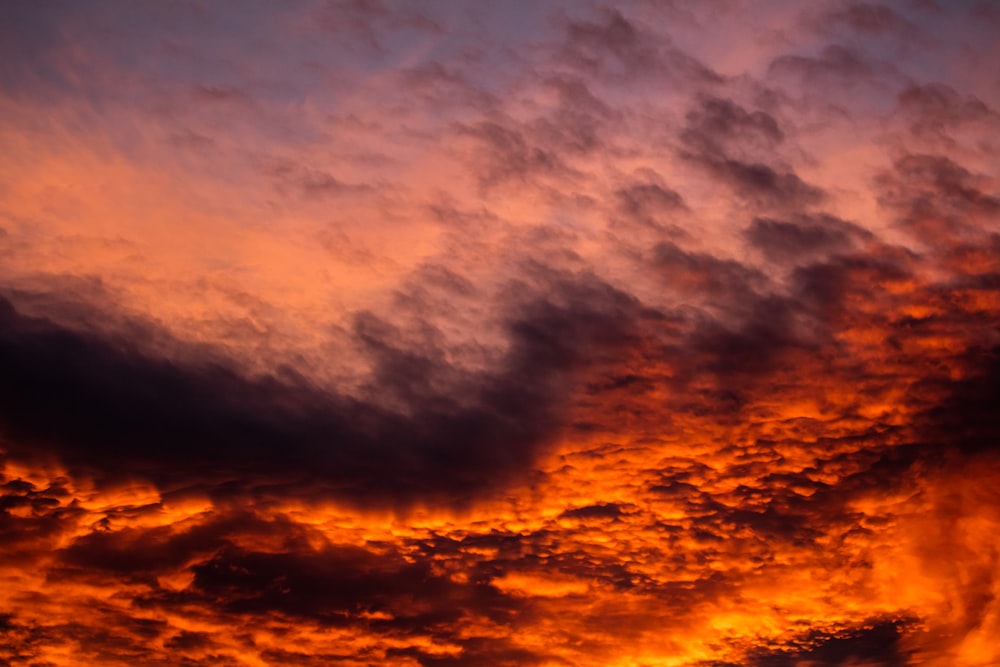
[(351, 333)]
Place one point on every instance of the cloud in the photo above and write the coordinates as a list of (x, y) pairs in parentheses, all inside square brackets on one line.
[(875, 643), (965, 417), (835, 64), (345, 333), (32, 519), (717, 123), (730, 144), (126, 412), (937, 198), (872, 18), (614, 35), (614, 45), (509, 155), (647, 200), (786, 242), (339, 585), (935, 109), (765, 185)]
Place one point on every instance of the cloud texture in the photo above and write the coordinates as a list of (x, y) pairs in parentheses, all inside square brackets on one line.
[(562, 333)]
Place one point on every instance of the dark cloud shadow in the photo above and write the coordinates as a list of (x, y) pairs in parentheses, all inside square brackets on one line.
[(103, 405)]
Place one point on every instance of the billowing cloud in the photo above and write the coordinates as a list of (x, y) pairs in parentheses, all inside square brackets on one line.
[(563, 334)]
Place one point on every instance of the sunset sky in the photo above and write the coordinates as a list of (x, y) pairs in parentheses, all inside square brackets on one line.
[(500, 332)]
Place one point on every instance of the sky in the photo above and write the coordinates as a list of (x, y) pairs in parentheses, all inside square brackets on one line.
[(562, 333)]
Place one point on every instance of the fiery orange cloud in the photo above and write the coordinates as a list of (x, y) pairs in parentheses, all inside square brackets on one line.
[(625, 334)]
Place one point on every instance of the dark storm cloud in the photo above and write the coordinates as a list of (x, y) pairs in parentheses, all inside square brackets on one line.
[(792, 510), (805, 238), (187, 640), (730, 143), (31, 519), (825, 288), (373, 589), (116, 638), (338, 585), (752, 334), (480, 651), (746, 425), (122, 411), (966, 416), (562, 551), (695, 274), (649, 203), (762, 184), (600, 511), (733, 330), (717, 123), (141, 554), (939, 200), (876, 643)]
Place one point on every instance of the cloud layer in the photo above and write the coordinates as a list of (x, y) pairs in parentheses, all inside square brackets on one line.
[(562, 334)]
